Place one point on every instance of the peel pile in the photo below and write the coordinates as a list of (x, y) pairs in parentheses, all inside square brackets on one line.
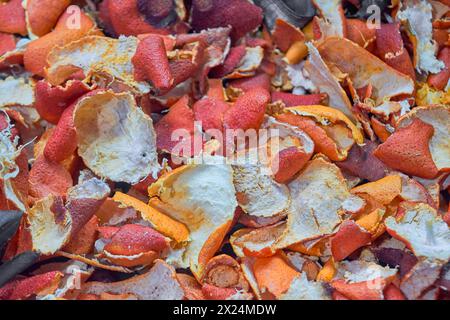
[(91, 93)]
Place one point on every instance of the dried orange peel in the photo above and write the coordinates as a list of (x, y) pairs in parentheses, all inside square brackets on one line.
[(161, 222)]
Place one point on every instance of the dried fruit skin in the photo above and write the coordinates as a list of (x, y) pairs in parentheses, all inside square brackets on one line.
[(43, 14), (291, 161), (63, 141), (349, 238), (126, 19), (133, 239), (234, 57), (12, 17), (151, 64), (407, 150), (180, 116), (248, 111), (52, 101), (391, 50), (210, 112), (239, 14), (292, 100), (440, 80), (47, 177), (35, 57)]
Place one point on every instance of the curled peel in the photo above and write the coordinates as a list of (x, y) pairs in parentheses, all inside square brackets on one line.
[(53, 223), (273, 275), (348, 239), (422, 229), (42, 15), (285, 35), (223, 271), (203, 198), (319, 197), (257, 242), (159, 221), (332, 132), (390, 49), (291, 150), (106, 125), (363, 68), (96, 55), (39, 285), (383, 190), (52, 101), (332, 22), (439, 118), (12, 17), (159, 283), (150, 63), (417, 16), (134, 245)]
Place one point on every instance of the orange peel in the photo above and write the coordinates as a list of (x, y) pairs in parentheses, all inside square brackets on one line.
[(161, 222), (208, 214), (383, 190)]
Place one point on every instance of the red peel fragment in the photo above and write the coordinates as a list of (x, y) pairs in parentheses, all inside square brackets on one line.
[(291, 161), (248, 110), (126, 19), (408, 150), (50, 102), (441, 79), (210, 112), (25, 288), (133, 239), (180, 116), (292, 100), (48, 177), (150, 63), (12, 17)]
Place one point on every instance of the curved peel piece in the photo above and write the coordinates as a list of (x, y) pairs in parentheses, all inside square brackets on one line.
[(107, 124), (160, 283), (319, 196), (35, 56), (364, 69), (383, 190), (422, 229), (438, 117), (417, 17), (16, 92), (332, 132), (53, 223), (303, 289), (42, 15), (96, 55), (324, 80), (333, 20), (360, 280), (203, 198), (159, 221), (257, 242), (257, 193)]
